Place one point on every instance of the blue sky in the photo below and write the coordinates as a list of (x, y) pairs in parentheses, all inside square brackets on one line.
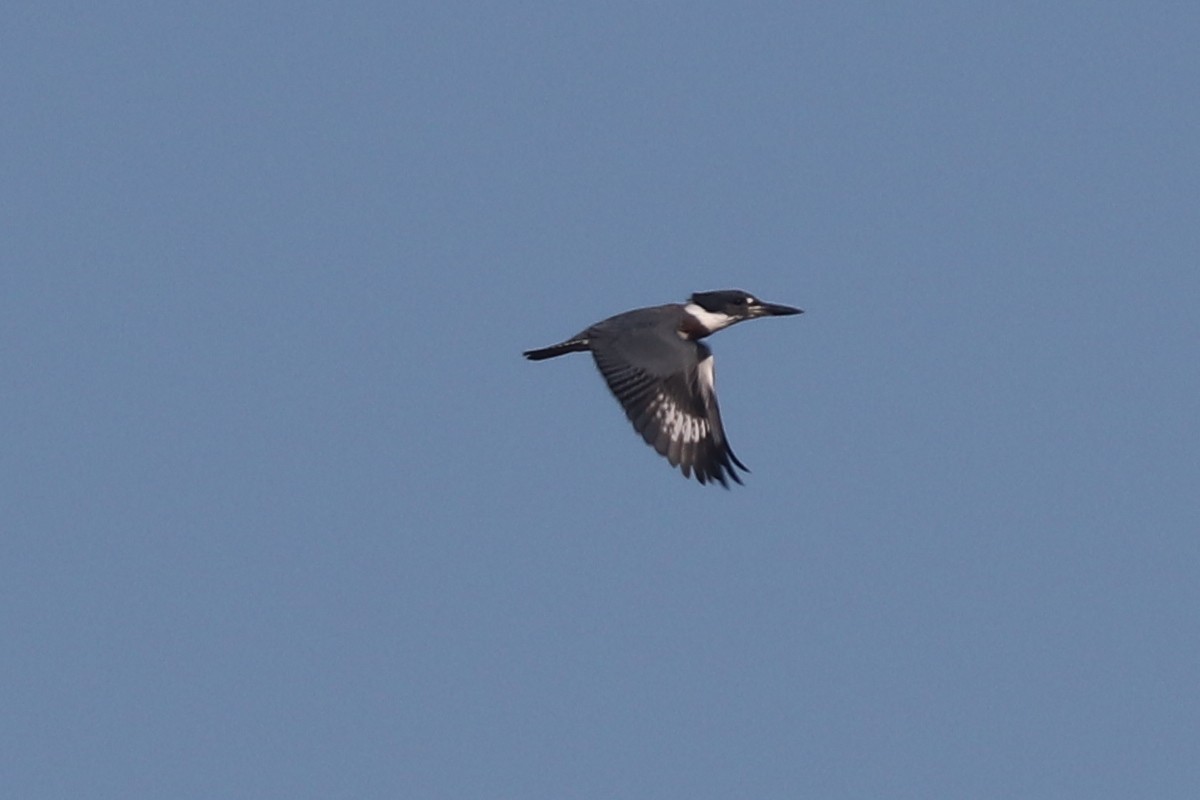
[(286, 514)]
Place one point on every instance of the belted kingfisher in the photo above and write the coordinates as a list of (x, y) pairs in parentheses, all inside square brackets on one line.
[(662, 374)]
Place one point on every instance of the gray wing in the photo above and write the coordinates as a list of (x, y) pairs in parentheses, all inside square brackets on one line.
[(674, 408)]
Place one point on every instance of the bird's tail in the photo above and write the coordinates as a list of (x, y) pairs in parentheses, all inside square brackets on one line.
[(577, 344)]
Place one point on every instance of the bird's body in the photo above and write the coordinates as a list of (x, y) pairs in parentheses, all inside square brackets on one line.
[(662, 374)]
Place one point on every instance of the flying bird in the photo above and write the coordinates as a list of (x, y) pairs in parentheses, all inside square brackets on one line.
[(662, 374)]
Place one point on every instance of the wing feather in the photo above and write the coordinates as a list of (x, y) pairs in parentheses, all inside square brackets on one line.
[(675, 412)]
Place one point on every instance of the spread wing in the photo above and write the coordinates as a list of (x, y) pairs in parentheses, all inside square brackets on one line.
[(666, 386)]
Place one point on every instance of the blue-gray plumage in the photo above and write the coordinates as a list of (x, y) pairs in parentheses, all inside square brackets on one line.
[(662, 374)]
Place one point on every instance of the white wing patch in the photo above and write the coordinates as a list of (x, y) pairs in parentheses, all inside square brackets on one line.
[(675, 412), (708, 378), (679, 425)]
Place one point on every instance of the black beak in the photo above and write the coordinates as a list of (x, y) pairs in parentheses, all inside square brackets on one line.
[(775, 310)]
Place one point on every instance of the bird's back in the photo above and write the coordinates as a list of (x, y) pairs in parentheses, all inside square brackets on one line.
[(647, 338)]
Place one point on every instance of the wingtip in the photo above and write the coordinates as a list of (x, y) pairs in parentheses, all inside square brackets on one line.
[(719, 473)]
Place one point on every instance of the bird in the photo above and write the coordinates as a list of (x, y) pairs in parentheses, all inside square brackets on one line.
[(660, 371)]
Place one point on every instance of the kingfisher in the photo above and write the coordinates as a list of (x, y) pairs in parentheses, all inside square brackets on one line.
[(660, 371)]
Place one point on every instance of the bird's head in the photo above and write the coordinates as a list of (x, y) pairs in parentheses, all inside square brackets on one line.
[(723, 308)]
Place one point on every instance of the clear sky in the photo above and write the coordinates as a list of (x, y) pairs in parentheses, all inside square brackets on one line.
[(286, 515)]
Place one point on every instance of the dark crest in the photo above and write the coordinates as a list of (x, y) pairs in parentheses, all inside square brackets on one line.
[(721, 301)]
